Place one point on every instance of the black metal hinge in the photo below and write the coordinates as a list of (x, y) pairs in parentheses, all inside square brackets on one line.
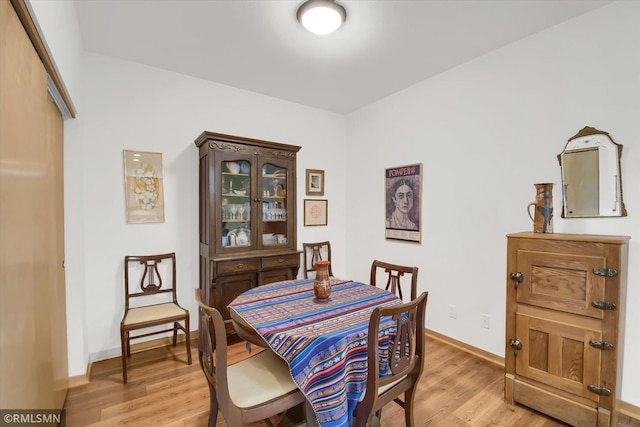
[(603, 345), (604, 305), (606, 272), (602, 391)]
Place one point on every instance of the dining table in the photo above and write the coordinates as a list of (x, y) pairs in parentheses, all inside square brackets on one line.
[(324, 342)]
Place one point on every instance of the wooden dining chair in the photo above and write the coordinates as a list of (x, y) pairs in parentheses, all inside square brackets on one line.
[(251, 390), (402, 354), (318, 251), (152, 301), (394, 272)]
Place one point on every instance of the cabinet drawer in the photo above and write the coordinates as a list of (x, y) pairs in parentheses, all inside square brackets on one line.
[(281, 261), (239, 266)]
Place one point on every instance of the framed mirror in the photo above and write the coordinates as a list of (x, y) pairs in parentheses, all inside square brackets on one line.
[(591, 181)]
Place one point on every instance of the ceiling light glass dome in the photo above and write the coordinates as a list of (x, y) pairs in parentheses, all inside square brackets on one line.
[(321, 16)]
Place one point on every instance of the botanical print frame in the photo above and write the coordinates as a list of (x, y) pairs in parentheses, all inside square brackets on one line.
[(315, 212), (403, 189), (143, 187), (315, 182)]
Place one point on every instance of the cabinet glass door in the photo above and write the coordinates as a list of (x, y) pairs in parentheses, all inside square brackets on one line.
[(236, 204), (275, 205)]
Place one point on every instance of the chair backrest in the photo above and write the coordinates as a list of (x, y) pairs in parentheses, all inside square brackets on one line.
[(400, 353), (394, 273), (147, 275), (318, 251)]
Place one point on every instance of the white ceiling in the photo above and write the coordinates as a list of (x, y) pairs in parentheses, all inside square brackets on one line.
[(258, 45)]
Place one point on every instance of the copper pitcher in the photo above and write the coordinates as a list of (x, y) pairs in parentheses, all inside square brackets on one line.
[(543, 208)]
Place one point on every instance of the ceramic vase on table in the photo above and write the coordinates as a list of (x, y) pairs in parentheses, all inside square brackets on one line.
[(322, 284), (543, 208)]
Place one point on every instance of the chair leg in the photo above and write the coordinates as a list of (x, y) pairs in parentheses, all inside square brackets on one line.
[(309, 414), (128, 342), (408, 406), (175, 333), (188, 340), (360, 417), (124, 355), (213, 411)]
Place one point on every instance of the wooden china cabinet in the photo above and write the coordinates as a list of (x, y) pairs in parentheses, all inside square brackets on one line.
[(566, 296), (247, 216)]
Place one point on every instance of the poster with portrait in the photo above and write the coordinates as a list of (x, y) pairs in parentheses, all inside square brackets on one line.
[(403, 189)]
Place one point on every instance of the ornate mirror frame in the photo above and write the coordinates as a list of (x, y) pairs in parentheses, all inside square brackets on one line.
[(591, 181)]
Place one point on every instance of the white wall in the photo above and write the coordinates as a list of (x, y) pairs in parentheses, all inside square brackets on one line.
[(485, 133), (130, 106), (57, 23)]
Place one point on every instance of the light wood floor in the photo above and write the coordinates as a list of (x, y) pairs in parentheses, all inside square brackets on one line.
[(457, 389)]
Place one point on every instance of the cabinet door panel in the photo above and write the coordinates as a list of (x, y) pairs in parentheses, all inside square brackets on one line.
[(227, 288), (558, 354), (235, 212), (563, 282), (272, 276), (277, 183)]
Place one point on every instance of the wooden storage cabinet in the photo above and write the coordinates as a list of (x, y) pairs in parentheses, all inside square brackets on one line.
[(247, 224), (565, 318)]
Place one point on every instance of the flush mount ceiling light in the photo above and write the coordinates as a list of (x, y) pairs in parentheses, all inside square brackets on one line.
[(321, 16)]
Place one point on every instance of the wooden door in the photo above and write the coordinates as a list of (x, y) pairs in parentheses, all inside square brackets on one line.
[(227, 288), (558, 354), (33, 337), (561, 281)]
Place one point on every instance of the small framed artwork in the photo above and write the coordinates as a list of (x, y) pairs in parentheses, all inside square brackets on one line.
[(315, 212), (403, 189), (143, 187), (315, 182)]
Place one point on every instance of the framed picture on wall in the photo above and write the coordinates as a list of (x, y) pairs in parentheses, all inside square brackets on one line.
[(315, 212), (403, 189), (143, 187), (315, 182)]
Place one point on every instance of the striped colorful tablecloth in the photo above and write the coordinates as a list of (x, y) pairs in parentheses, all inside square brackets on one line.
[(325, 343)]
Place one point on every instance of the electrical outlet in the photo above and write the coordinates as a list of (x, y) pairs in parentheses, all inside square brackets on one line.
[(453, 311), (484, 321)]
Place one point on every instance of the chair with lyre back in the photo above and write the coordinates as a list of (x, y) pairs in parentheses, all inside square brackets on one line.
[(394, 273), (252, 390), (318, 251), (400, 353), (150, 301)]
